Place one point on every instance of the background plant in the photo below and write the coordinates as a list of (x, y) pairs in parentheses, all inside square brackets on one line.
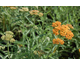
[(33, 34)]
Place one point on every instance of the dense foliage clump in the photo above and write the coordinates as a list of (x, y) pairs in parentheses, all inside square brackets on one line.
[(26, 32)]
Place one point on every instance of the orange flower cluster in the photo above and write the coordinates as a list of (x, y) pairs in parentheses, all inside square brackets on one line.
[(58, 41), (63, 30), (79, 50), (57, 23), (69, 25), (36, 12)]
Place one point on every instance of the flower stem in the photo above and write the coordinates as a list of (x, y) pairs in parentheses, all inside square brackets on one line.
[(8, 49)]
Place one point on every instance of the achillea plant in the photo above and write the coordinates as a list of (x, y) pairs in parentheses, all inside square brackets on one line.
[(55, 31), (69, 35), (36, 12), (70, 26), (63, 30), (79, 50), (57, 23), (40, 14), (12, 7), (58, 41), (6, 6), (8, 38), (24, 9)]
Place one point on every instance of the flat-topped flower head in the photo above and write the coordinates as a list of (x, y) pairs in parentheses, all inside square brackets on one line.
[(54, 24), (21, 10), (25, 9), (61, 42), (69, 35), (70, 26), (40, 14), (58, 41), (34, 12), (12, 40), (8, 36), (55, 31), (9, 32), (7, 6), (57, 23), (62, 33), (58, 27), (12, 7), (63, 27), (63, 30), (55, 41)]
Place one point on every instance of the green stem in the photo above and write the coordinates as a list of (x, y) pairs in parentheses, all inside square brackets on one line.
[(8, 49)]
